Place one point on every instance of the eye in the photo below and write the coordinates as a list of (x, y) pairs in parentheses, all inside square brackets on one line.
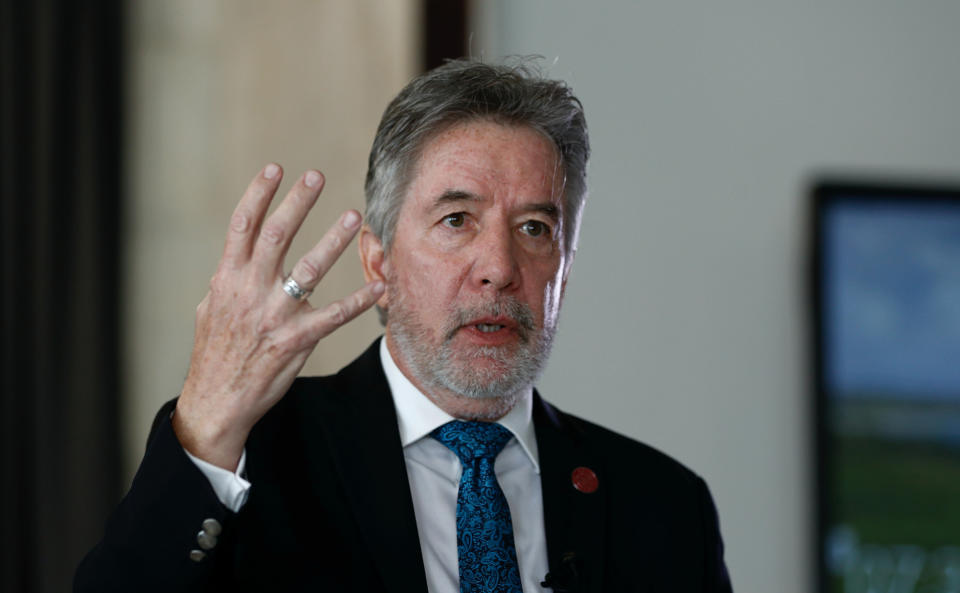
[(454, 220), (535, 228)]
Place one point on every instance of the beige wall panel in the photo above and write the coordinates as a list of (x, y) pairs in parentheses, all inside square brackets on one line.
[(217, 90)]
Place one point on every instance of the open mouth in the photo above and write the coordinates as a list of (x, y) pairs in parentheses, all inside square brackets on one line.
[(493, 330), (495, 323)]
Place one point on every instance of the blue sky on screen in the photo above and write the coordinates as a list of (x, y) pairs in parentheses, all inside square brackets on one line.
[(892, 299)]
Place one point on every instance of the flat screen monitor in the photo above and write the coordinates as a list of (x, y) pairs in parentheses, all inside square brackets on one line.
[(886, 316)]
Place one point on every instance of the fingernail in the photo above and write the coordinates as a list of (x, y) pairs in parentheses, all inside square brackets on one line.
[(378, 286), (271, 171), (350, 220), (311, 179)]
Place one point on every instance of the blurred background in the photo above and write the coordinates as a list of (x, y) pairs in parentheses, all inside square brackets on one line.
[(130, 129)]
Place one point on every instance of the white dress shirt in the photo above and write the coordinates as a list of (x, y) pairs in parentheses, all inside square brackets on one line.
[(434, 474)]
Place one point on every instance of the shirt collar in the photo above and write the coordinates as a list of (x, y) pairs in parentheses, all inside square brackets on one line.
[(417, 416)]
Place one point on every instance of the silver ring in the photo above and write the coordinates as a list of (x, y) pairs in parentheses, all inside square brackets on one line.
[(291, 287)]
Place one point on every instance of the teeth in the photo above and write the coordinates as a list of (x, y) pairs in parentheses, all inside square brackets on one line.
[(488, 328)]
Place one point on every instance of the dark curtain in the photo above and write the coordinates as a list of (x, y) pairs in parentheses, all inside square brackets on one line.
[(444, 31), (59, 229)]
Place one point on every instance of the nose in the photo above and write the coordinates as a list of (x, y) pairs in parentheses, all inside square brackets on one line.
[(495, 264)]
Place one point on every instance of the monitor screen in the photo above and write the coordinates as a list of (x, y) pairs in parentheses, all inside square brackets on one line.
[(887, 356)]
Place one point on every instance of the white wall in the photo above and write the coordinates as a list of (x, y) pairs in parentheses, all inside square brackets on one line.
[(684, 323)]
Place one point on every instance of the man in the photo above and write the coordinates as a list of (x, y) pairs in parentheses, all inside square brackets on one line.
[(429, 463)]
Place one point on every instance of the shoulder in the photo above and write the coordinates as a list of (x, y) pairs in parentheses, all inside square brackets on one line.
[(358, 388), (659, 509), (625, 461), (316, 409)]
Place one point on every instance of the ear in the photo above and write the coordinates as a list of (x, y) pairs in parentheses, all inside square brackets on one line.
[(372, 258)]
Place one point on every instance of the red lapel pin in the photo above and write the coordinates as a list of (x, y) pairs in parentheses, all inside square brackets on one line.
[(584, 480)]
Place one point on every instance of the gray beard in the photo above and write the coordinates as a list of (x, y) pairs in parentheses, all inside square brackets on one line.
[(514, 370)]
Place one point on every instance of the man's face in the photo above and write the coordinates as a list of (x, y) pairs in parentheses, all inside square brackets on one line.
[(476, 270)]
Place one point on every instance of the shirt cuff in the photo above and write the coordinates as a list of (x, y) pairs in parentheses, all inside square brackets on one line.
[(230, 487)]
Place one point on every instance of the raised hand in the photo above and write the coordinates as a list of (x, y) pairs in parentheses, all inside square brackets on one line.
[(252, 336)]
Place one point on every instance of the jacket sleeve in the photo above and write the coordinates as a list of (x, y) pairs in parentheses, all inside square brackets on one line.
[(152, 540)]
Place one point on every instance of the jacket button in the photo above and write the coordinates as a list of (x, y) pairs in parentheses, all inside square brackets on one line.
[(197, 555), (212, 526), (206, 541)]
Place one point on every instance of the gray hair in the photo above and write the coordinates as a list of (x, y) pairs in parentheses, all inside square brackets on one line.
[(465, 90)]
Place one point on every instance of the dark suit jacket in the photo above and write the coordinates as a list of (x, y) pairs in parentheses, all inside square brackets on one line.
[(330, 506)]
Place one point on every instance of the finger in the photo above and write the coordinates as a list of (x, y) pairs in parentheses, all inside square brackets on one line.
[(322, 322), (313, 266), (282, 225), (248, 215)]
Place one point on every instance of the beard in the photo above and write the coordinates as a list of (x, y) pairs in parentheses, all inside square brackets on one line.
[(476, 372)]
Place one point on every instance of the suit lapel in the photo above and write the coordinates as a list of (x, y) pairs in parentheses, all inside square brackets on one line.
[(574, 520), (360, 431)]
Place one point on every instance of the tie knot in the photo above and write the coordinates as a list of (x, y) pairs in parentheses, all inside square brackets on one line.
[(472, 440)]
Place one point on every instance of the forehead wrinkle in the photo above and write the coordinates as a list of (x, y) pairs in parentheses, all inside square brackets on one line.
[(462, 156), (444, 152)]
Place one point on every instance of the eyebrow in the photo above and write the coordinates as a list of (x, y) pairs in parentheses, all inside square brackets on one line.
[(456, 195), (547, 208)]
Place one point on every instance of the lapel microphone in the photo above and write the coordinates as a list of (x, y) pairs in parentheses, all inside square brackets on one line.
[(566, 577)]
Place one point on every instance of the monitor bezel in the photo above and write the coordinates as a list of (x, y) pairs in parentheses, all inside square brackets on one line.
[(825, 193)]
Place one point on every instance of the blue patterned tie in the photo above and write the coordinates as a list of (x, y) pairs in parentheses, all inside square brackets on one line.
[(485, 548)]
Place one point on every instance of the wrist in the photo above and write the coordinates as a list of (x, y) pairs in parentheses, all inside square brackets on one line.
[(220, 444)]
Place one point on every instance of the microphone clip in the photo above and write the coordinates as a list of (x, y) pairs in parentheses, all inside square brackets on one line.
[(565, 578)]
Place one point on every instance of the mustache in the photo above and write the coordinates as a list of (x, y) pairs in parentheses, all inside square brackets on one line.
[(516, 311)]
